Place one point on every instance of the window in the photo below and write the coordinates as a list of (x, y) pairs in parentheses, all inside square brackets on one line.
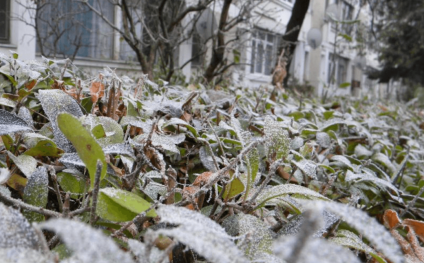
[(306, 67), (263, 52), (69, 29), (4, 21)]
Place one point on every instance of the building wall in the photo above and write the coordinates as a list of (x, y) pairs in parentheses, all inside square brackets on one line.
[(270, 16)]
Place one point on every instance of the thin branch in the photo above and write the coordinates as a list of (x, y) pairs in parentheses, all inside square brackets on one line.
[(95, 192), (28, 207)]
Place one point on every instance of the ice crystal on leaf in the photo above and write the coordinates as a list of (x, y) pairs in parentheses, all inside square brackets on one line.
[(35, 192), (54, 102), (27, 164), (350, 176), (213, 243), (24, 255), (139, 250), (166, 142), (276, 140), (367, 226), (15, 230), (10, 123), (87, 244)]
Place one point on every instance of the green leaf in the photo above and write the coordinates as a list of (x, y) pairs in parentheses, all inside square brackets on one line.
[(236, 54), (113, 133), (98, 131), (176, 121), (40, 145), (349, 239), (344, 85), (11, 79), (87, 147), (346, 37), (119, 205), (15, 55), (286, 189), (72, 183), (233, 188), (7, 141), (35, 193), (25, 163)]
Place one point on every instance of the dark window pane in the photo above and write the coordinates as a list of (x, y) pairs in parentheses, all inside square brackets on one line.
[(4, 20), (269, 38), (260, 58), (268, 60), (252, 67)]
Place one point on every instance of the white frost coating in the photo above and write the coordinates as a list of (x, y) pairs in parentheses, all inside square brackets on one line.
[(275, 137), (164, 105), (213, 247), (207, 159), (349, 239), (366, 177), (296, 143), (27, 164), (4, 175), (25, 114), (323, 139), (367, 226), (343, 160), (5, 191), (139, 250), (71, 160), (295, 224), (286, 189), (114, 132), (31, 139), (154, 189), (120, 148), (183, 216), (146, 125), (267, 258), (384, 160), (361, 151), (307, 167), (257, 234), (15, 230), (24, 255), (314, 250), (10, 123), (166, 142), (53, 103), (87, 244)]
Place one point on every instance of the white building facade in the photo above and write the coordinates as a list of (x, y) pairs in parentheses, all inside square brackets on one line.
[(322, 67)]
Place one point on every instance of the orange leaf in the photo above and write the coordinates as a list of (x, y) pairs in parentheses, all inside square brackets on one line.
[(202, 179), (417, 226), (391, 219), (97, 91), (30, 85)]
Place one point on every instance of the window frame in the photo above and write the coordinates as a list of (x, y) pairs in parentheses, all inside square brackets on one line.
[(267, 56), (6, 38)]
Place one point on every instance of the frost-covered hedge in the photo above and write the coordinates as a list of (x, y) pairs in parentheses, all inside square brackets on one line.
[(112, 169)]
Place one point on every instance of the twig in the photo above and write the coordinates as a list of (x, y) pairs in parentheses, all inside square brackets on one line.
[(129, 180), (66, 205), (412, 203), (28, 207), (271, 172), (42, 240), (95, 192), (56, 187)]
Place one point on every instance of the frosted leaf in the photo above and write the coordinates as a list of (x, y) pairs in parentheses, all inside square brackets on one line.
[(314, 250), (4, 175), (235, 123), (362, 152), (166, 142), (154, 189), (276, 139), (15, 230), (295, 223), (257, 235), (120, 148), (267, 258), (146, 125), (308, 167), (161, 104), (139, 250), (367, 226), (366, 177), (27, 164), (55, 102), (35, 192), (24, 255), (72, 160), (348, 239), (113, 131), (25, 115), (177, 121), (153, 175), (10, 123), (87, 244), (286, 189), (343, 161), (206, 242), (206, 158), (323, 139), (183, 216), (296, 143), (213, 243), (5, 191), (384, 160)]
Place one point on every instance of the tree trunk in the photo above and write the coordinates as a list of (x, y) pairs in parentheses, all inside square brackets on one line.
[(218, 52), (292, 31)]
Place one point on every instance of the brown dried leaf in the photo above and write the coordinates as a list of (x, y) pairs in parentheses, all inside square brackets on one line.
[(97, 91), (417, 226), (391, 219)]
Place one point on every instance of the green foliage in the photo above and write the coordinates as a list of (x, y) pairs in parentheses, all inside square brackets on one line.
[(184, 168)]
